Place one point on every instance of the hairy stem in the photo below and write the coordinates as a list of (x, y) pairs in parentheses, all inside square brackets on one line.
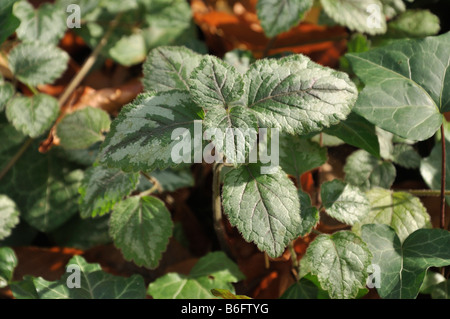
[(217, 209), (16, 157), (89, 62)]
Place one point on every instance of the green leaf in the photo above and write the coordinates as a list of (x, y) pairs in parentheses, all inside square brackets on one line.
[(403, 266), (366, 171), (309, 214), (402, 211), (9, 216), (141, 136), (47, 24), (302, 289), (430, 168), (82, 234), (406, 156), (89, 123), (340, 263), (36, 63), (94, 284), (213, 271), (364, 16), (6, 93), (299, 155), (280, 16), (414, 24), (141, 228), (264, 207), (297, 95), (215, 83), (43, 186), (8, 261), (8, 22), (344, 202), (357, 131), (33, 115), (24, 289), (235, 132), (102, 188), (168, 68), (226, 294), (405, 85)]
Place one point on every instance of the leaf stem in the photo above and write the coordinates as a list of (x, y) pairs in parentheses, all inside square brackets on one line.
[(33, 89), (16, 157), (294, 259), (154, 181), (443, 171), (269, 46), (89, 62), (150, 191), (217, 209)]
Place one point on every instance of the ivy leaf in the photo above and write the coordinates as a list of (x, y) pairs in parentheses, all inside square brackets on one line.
[(43, 186), (33, 115), (36, 63), (46, 24), (24, 289), (237, 132), (264, 207), (141, 137), (302, 289), (366, 171), (430, 281), (102, 188), (141, 228), (226, 294), (345, 203), (89, 123), (168, 68), (8, 261), (6, 93), (213, 271), (299, 155), (364, 16), (340, 263), (402, 211), (280, 16), (214, 83), (309, 214), (405, 85), (357, 131), (94, 284), (8, 22), (442, 290), (430, 168), (297, 95), (403, 266), (9, 216)]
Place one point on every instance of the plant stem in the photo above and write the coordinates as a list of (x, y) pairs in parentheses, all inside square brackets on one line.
[(443, 171), (217, 209), (16, 157), (33, 89), (89, 62), (294, 259), (149, 191), (269, 46), (426, 192), (154, 181)]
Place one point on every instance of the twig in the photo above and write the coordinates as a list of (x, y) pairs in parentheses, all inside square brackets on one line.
[(217, 209), (89, 62)]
